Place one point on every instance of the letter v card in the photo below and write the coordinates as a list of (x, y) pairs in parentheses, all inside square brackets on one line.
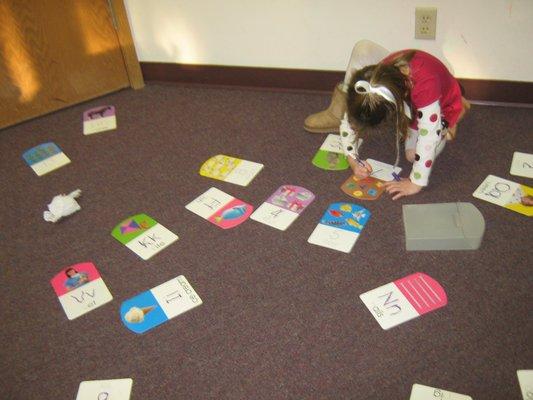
[(143, 235), (156, 306), (80, 289), (282, 208), (404, 299), (220, 208)]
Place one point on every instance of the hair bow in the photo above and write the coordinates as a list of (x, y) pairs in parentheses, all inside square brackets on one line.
[(364, 87)]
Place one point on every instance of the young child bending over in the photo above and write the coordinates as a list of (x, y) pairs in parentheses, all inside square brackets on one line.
[(423, 97)]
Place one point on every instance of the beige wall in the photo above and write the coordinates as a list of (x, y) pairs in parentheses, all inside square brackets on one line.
[(481, 39)]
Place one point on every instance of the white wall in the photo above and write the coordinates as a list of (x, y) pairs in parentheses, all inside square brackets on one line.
[(481, 39)]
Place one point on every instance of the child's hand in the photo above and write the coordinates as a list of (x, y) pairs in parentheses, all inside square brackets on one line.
[(410, 155), (403, 188), (359, 171)]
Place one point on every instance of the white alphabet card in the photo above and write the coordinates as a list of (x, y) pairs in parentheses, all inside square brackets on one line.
[(522, 164), (421, 392), (507, 194), (404, 299), (340, 226), (143, 235), (220, 208), (80, 289), (99, 119), (45, 158), (230, 169), (282, 208), (525, 380), (111, 389), (156, 306)]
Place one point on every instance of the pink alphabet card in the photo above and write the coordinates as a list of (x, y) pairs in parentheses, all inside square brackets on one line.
[(99, 119)]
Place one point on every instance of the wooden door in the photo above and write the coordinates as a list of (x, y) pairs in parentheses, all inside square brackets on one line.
[(55, 53)]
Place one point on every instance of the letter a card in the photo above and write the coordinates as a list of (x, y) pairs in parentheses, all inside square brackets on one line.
[(80, 289), (156, 306), (143, 235), (111, 389), (282, 208), (45, 158), (504, 193), (421, 392), (220, 208), (404, 299), (340, 226), (230, 169), (99, 119)]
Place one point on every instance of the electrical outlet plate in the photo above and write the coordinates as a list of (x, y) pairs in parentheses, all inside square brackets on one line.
[(425, 22)]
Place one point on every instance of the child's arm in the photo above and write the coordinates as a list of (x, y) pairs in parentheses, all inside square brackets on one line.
[(348, 138)]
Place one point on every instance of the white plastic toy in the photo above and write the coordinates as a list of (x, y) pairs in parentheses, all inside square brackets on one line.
[(62, 206)]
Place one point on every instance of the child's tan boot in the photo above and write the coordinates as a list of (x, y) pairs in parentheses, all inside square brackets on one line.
[(328, 120)]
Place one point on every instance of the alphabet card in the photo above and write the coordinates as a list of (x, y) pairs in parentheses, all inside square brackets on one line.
[(421, 392), (330, 156), (230, 169), (525, 380), (522, 164), (80, 289), (363, 189), (156, 306), (220, 208), (45, 158), (505, 193), (111, 389), (340, 226), (404, 299), (282, 208), (383, 171), (143, 235), (99, 119)]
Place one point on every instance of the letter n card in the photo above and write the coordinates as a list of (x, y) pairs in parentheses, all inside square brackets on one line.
[(220, 208), (404, 299), (99, 119), (143, 235), (340, 226), (504, 193), (80, 289), (45, 158), (282, 208), (230, 169), (156, 306)]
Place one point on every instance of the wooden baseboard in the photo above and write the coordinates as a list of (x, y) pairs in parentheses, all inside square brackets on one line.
[(303, 79)]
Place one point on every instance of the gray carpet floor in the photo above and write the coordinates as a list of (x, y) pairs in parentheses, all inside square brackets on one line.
[(281, 318)]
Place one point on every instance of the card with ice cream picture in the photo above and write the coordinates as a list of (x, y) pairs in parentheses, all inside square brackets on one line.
[(80, 289), (143, 235), (156, 306), (282, 208), (340, 226), (220, 208), (422, 392), (404, 299), (507, 194), (45, 158), (230, 169), (109, 389), (99, 119), (330, 156), (525, 380)]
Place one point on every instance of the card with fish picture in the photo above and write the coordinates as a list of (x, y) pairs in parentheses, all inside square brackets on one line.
[(404, 299), (80, 289), (99, 119), (45, 158), (522, 164), (330, 156), (157, 305), (525, 380), (283, 207), (230, 169), (110, 389), (422, 392), (505, 193), (143, 235), (383, 171), (340, 226), (220, 208), (363, 189)]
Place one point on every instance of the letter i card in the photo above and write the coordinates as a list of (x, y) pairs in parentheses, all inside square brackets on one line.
[(143, 235), (404, 299), (80, 289)]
